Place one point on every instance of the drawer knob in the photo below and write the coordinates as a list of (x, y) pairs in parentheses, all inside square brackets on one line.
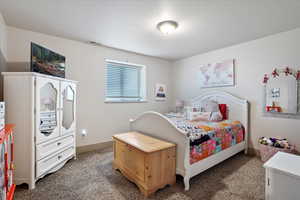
[(59, 157), (59, 143)]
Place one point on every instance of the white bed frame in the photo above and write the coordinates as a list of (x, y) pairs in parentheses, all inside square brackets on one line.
[(159, 126)]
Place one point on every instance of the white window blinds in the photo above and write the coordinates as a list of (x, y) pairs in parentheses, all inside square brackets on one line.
[(123, 81)]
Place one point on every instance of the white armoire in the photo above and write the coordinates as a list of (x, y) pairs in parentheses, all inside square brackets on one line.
[(44, 110)]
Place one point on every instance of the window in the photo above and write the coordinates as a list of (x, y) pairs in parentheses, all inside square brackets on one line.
[(125, 82)]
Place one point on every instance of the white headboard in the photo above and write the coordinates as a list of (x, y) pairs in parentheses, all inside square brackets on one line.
[(238, 109)]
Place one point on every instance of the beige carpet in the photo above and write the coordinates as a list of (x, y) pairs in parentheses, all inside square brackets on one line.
[(92, 177)]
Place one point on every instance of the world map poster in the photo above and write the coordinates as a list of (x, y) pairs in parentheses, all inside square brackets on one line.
[(217, 75)]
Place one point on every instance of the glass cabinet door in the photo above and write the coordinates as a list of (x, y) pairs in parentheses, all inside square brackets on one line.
[(47, 106), (68, 102)]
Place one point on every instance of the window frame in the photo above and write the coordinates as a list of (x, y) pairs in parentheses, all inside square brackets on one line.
[(142, 79)]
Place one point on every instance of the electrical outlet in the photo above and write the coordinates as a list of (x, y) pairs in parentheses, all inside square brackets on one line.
[(83, 132)]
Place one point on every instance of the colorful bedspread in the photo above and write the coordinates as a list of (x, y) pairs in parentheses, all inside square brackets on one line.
[(207, 138)]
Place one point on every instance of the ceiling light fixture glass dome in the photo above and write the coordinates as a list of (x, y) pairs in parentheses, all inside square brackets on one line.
[(167, 27)]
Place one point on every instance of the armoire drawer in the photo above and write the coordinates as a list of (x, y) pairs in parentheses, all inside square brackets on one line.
[(46, 164), (50, 147)]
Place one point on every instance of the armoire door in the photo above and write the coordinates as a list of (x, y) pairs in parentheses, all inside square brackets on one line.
[(47, 109), (68, 105)]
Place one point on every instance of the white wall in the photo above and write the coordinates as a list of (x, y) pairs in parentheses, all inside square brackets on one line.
[(3, 44), (253, 60), (85, 63), (3, 52)]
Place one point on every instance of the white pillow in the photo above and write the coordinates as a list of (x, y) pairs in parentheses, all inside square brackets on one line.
[(200, 116), (216, 116), (206, 116), (211, 106)]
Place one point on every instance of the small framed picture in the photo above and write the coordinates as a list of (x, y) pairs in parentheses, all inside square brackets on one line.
[(160, 92), (275, 92)]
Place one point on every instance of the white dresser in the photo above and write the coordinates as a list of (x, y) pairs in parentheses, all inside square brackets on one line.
[(44, 111), (283, 177)]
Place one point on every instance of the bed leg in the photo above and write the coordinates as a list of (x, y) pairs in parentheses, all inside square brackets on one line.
[(246, 151), (186, 183), (31, 185)]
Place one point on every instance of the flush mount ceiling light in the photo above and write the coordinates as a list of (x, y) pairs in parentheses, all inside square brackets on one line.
[(167, 27)]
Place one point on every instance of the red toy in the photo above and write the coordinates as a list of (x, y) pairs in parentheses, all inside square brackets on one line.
[(287, 71), (275, 73), (266, 78)]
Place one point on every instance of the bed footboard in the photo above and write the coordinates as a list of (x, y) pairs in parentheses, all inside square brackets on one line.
[(155, 124)]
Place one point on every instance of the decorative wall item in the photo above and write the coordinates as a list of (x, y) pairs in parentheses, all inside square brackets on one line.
[(160, 92), (275, 92), (281, 92), (217, 75), (47, 62)]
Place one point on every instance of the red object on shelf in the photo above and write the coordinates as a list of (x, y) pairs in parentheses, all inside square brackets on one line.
[(7, 139), (273, 109)]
